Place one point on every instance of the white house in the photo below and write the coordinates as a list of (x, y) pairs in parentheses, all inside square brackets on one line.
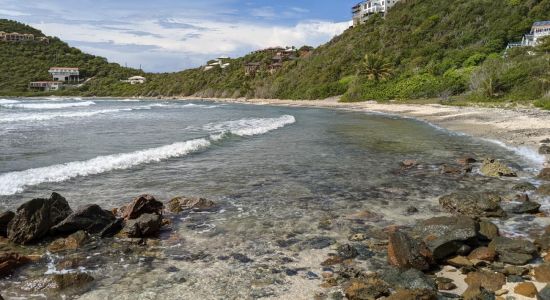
[(16, 37), (46, 85), (539, 30), (364, 9), (218, 62), (65, 74), (136, 80)]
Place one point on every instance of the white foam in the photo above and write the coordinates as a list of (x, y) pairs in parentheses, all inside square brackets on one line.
[(193, 105), (34, 117), (8, 101), (47, 105), (248, 127), (530, 154), (15, 182)]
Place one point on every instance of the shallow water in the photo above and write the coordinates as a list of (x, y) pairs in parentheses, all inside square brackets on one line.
[(279, 175)]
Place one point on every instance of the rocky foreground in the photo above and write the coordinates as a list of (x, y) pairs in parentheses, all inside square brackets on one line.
[(459, 256)]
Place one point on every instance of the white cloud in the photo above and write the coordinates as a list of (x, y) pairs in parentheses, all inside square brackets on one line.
[(12, 13)]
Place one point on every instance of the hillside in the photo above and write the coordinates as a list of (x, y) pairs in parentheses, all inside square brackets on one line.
[(433, 49)]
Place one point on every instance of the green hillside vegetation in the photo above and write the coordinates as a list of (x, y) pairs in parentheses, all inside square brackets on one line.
[(450, 50)]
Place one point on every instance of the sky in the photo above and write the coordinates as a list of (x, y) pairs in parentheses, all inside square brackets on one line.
[(171, 35)]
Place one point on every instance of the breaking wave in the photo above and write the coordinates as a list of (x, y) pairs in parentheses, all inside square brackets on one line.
[(6, 101), (46, 105), (16, 182)]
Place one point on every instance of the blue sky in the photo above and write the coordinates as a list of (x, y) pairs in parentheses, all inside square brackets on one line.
[(170, 35)]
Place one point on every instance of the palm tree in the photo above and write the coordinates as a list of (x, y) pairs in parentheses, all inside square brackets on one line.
[(375, 68)]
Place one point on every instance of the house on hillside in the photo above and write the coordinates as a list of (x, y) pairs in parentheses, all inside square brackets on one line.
[(250, 69), (222, 62), (538, 31), (16, 37), (135, 80), (364, 9), (45, 85), (65, 74)]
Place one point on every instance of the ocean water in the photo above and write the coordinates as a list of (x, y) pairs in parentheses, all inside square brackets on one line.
[(277, 174)]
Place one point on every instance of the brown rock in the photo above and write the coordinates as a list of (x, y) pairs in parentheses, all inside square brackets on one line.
[(527, 289), (489, 280), (11, 261), (450, 170), (413, 295), (144, 204), (544, 174), (406, 252), (72, 242), (333, 260), (180, 204), (482, 253), (476, 293), (488, 230), (367, 289), (542, 273), (409, 163), (544, 190), (459, 262), (446, 286)]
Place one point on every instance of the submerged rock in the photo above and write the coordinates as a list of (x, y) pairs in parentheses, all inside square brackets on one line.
[(544, 149), (513, 251), (526, 207), (90, 218), (406, 252), (59, 282), (544, 190), (144, 204), (544, 174), (466, 160), (524, 187), (494, 168), (347, 251), (179, 204), (34, 219), (146, 225), (72, 242), (5, 219), (473, 204), (319, 242), (445, 235), (11, 261)]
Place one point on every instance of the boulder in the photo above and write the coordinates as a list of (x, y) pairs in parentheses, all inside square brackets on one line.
[(179, 204), (482, 253), (113, 228), (72, 242), (90, 218), (527, 289), (488, 230), (544, 174), (494, 168), (544, 149), (489, 280), (34, 219), (473, 204), (413, 295), (513, 251), (542, 273), (524, 187), (411, 279), (147, 225), (544, 294), (5, 219), (544, 190), (406, 252), (526, 207), (144, 204), (366, 289), (11, 261), (444, 236)]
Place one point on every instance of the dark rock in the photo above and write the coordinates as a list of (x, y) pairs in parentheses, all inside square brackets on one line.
[(90, 218), (180, 204), (473, 204), (241, 258), (544, 174), (319, 242), (363, 251), (411, 210), (413, 295), (464, 250), (34, 219), (406, 252), (72, 242), (411, 279), (5, 219), (475, 292), (544, 190), (545, 141), (286, 243), (527, 207), (494, 168), (513, 251), (11, 261), (544, 149), (113, 228), (146, 225), (445, 235), (310, 275), (487, 230), (524, 187), (514, 278), (144, 204), (347, 251), (466, 160), (291, 272), (544, 294)]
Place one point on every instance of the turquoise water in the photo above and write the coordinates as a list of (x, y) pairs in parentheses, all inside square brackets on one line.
[(277, 173)]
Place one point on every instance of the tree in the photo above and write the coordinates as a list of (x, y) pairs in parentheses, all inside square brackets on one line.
[(375, 68), (544, 45), (486, 79)]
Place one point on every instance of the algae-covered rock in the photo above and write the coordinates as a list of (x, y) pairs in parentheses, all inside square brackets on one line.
[(494, 168)]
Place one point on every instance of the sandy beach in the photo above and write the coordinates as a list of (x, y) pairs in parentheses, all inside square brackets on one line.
[(521, 128)]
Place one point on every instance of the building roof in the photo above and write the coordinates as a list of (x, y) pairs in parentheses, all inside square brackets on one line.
[(136, 78), (541, 23), (64, 68), (254, 64), (46, 81)]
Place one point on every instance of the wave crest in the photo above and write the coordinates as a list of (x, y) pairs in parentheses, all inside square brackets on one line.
[(46, 105)]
